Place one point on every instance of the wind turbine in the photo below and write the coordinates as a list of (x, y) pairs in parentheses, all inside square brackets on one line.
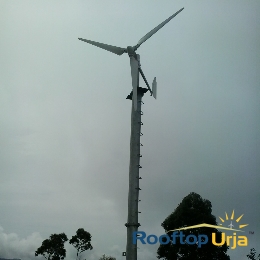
[(231, 225), (136, 96)]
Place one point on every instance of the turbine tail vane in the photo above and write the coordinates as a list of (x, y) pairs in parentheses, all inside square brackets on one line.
[(111, 48), (153, 31), (154, 88)]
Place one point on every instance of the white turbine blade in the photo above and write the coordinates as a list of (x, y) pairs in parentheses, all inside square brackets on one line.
[(134, 74), (153, 31), (114, 49), (154, 88)]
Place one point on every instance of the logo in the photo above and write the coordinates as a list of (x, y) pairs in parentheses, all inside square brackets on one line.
[(233, 240)]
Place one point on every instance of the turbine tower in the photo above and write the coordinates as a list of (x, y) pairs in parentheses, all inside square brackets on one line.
[(136, 97)]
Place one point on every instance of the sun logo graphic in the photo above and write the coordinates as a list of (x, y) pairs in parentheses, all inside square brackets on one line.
[(237, 240), (231, 219)]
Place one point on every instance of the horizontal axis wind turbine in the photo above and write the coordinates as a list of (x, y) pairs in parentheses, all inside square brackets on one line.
[(136, 96)]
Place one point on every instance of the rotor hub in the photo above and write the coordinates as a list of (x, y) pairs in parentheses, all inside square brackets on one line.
[(131, 51)]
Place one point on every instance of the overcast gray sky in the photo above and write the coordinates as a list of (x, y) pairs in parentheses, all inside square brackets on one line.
[(65, 122)]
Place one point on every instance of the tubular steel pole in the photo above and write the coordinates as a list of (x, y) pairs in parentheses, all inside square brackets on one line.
[(134, 166), (133, 194)]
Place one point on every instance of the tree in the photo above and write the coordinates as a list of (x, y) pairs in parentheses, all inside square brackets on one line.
[(53, 248), (104, 257), (81, 241), (252, 255), (191, 211)]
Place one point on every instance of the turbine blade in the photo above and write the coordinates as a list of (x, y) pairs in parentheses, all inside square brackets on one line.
[(134, 74), (153, 31), (114, 49), (154, 88)]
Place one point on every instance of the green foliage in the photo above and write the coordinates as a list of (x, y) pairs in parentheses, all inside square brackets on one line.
[(53, 248), (191, 211), (81, 241), (252, 255), (104, 257)]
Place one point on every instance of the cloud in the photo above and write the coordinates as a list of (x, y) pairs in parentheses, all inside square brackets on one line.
[(11, 246)]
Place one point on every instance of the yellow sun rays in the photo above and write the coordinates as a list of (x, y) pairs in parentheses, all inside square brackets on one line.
[(232, 217)]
